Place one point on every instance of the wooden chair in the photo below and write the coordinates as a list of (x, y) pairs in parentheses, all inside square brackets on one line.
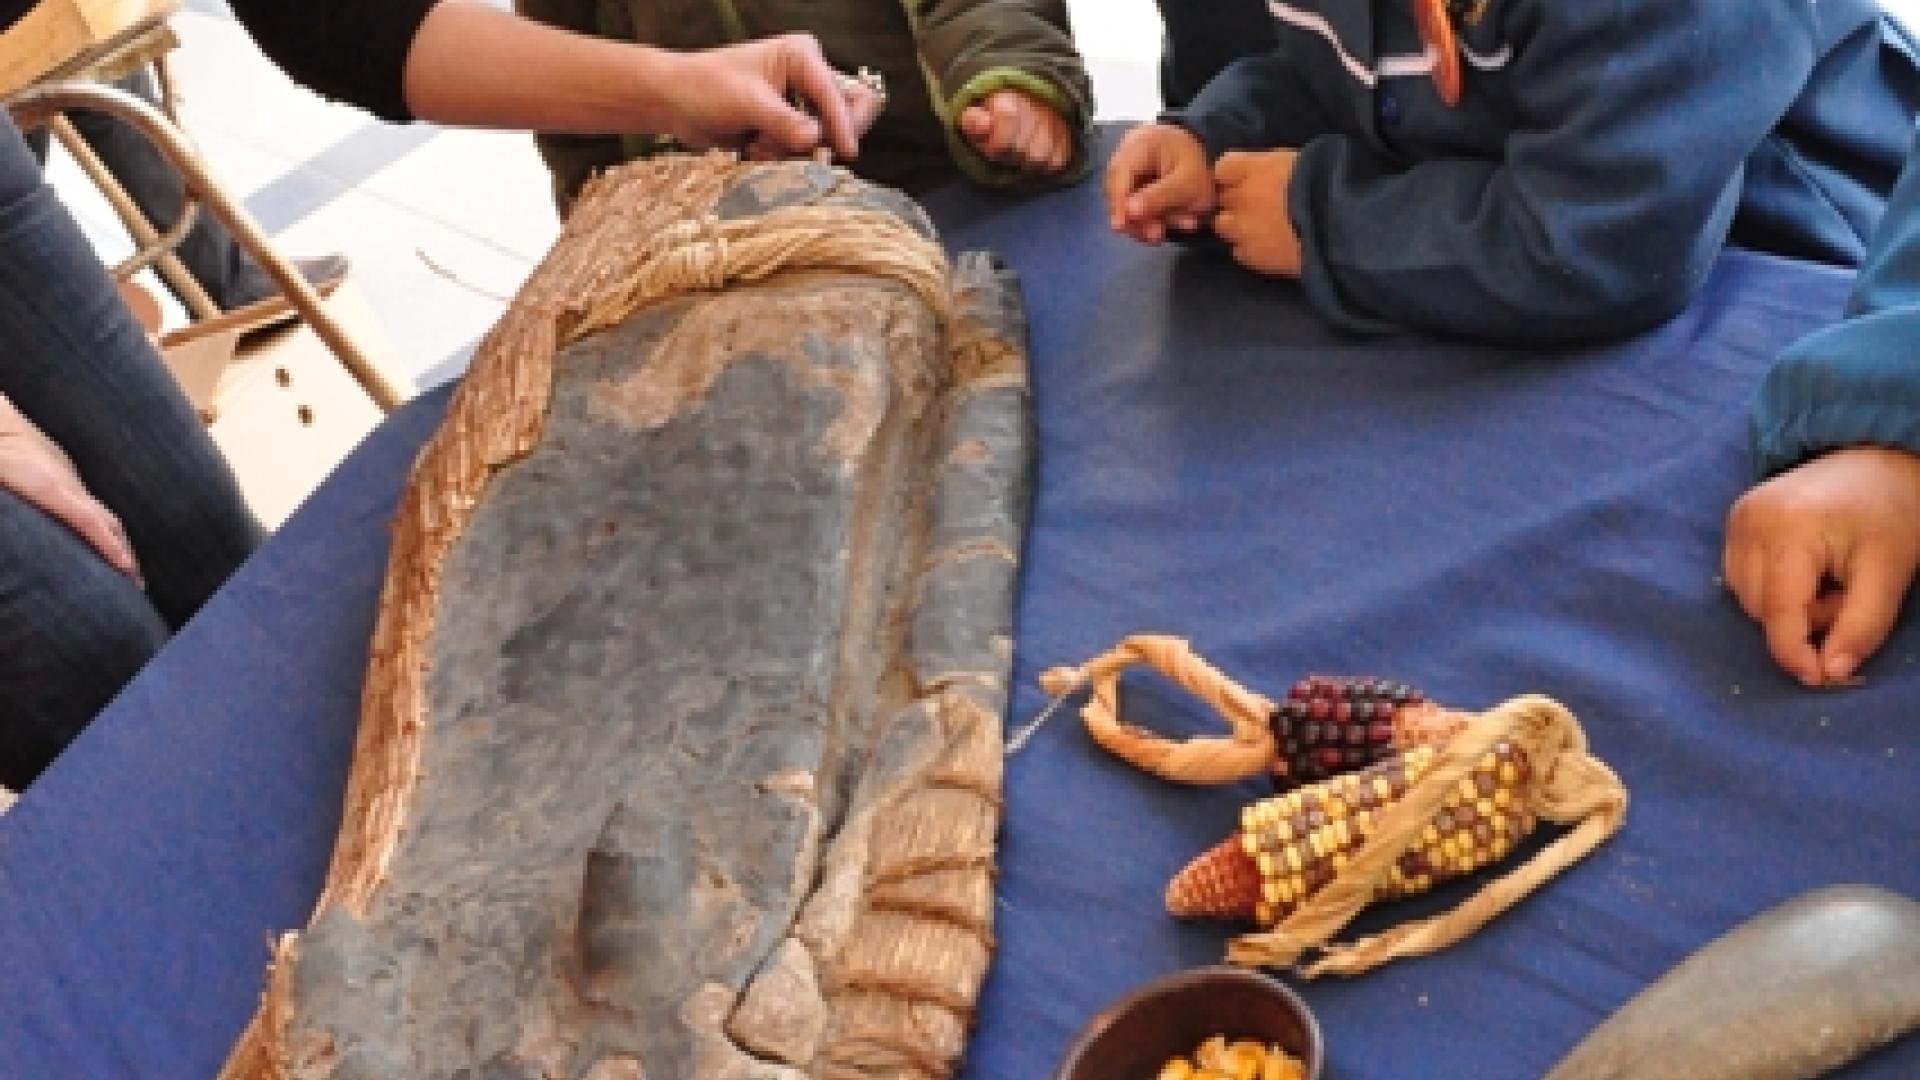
[(58, 58)]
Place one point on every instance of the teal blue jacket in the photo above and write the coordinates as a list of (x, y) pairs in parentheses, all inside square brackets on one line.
[(1857, 381), (1601, 155)]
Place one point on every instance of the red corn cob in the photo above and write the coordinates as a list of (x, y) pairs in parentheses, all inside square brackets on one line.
[(1332, 724)]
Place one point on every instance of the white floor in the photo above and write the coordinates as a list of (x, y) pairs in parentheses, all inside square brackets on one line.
[(442, 224)]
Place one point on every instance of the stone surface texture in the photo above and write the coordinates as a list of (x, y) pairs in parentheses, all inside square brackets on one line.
[(710, 774), (1796, 991)]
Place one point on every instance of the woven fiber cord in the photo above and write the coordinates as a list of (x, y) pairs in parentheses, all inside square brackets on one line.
[(1569, 786), (1246, 751), (628, 244)]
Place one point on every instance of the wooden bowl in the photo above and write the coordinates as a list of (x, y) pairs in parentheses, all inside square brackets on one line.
[(1133, 1037)]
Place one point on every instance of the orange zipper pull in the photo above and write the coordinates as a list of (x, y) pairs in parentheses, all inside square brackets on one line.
[(1436, 32)]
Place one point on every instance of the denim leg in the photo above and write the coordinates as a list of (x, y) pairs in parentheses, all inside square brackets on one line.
[(1204, 37), (208, 251), (78, 366), (72, 631)]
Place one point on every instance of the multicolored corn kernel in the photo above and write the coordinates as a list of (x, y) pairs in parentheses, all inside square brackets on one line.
[(1242, 1059), (1332, 724), (1290, 846)]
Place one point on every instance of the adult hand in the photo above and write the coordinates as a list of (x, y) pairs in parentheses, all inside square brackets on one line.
[(1157, 180), (40, 473), (1253, 218), (865, 103), (744, 96), (1849, 518), (1016, 128)]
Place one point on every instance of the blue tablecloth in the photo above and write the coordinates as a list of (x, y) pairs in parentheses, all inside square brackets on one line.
[(1215, 464)]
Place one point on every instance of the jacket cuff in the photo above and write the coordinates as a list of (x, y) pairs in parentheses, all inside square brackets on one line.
[(1308, 199), (975, 165), (1195, 124), (1847, 385)]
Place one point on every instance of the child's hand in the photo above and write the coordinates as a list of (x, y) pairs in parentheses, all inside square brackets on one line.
[(1014, 128), (1253, 210), (1157, 180), (1827, 547)]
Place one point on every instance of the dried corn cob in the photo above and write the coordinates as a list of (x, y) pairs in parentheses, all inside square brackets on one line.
[(1327, 724), (1332, 724), (1290, 846)]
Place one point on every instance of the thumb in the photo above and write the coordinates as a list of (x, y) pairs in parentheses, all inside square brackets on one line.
[(976, 122), (1155, 201), (1876, 582)]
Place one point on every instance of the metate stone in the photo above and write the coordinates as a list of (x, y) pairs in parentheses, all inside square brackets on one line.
[(1796, 991), (711, 759)]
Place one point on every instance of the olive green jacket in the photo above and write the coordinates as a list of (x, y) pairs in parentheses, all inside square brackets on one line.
[(938, 57)]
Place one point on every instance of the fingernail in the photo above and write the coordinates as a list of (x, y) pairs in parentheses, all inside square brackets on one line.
[(1838, 667)]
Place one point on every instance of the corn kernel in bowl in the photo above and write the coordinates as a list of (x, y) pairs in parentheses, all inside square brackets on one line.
[(1243, 1059)]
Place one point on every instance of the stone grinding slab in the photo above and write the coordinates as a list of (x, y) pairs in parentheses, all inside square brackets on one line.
[(682, 748)]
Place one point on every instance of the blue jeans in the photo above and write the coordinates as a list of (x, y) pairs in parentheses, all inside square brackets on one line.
[(229, 275), (73, 630)]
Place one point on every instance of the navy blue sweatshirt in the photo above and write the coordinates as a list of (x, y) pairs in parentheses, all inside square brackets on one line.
[(1858, 381), (1601, 155)]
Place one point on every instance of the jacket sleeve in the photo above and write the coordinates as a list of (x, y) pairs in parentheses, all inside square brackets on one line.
[(1857, 381), (1614, 188), (349, 50), (972, 48)]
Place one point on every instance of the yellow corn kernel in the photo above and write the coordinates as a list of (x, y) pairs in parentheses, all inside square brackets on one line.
[(1245, 1058), (1212, 1053), (1280, 1065), (1334, 806), (1176, 1069)]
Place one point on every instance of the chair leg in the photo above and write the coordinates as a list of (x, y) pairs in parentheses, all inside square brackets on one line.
[(40, 101), (154, 248)]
